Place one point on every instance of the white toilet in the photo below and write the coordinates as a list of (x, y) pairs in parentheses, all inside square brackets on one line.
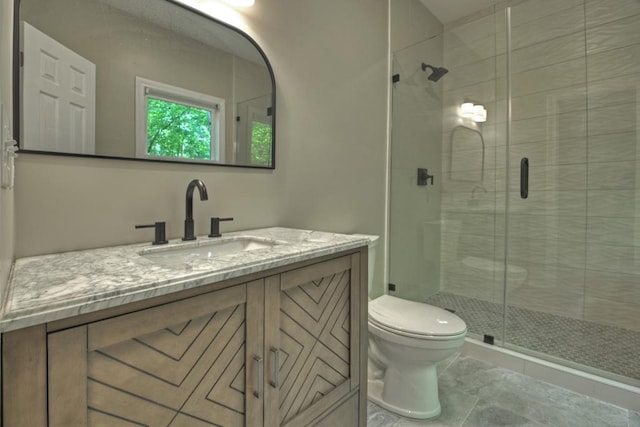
[(406, 340)]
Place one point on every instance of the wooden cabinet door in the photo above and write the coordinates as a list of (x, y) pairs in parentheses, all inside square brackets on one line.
[(192, 362), (311, 340)]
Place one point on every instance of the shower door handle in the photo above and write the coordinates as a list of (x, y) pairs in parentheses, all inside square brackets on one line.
[(524, 178)]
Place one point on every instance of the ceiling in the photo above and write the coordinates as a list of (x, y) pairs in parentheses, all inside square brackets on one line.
[(450, 10)]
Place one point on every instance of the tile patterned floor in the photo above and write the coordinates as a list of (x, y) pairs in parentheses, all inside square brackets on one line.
[(603, 347), (476, 394)]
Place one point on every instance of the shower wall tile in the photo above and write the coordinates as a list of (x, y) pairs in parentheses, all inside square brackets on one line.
[(528, 11), (548, 52), (613, 231), (549, 178), (553, 252), (613, 91), (565, 99), (614, 63), (469, 160), (463, 201), (564, 203), (469, 223), (481, 92), (488, 131), (613, 119), (457, 246), (466, 283), (616, 259), (470, 191), (470, 74), (549, 129), (611, 312), (548, 27), (613, 175), (545, 227), (467, 53), (614, 34), (553, 278), (550, 77), (562, 152), (612, 286), (602, 11), (561, 298), (613, 147), (614, 203)]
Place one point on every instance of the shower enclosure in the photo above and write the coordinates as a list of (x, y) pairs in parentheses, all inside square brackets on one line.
[(531, 229)]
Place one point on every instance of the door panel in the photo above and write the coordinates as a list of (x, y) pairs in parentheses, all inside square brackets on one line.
[(154, 367), (60, 107), (313, 338)]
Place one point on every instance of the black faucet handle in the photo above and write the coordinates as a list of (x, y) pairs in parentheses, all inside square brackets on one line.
[(160, 228), (215, 226)]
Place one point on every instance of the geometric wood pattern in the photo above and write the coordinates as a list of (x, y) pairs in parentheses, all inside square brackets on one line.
[(190, 374), (314, 341), (201, 358)]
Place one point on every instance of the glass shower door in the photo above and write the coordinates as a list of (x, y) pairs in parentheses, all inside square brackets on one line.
[(571, 252), (414, 227)]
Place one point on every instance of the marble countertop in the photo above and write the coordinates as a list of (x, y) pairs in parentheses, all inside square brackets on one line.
[(57, 286)]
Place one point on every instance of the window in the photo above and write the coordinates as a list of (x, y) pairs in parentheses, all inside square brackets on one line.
[(178, 124), (260, 143)]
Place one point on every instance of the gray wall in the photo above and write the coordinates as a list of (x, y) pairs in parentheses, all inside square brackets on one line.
[(6, 196)]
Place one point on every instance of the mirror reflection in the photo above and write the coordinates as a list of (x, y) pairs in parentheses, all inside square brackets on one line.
[(144, 79)]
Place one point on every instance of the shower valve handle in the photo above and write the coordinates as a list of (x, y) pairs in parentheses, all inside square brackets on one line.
[(424, 177)]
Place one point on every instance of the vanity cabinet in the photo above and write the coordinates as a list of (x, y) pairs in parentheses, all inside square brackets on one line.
[(278, 349)]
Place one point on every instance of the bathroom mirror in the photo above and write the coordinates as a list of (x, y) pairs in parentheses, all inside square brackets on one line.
[(466, 162), (145, 80)]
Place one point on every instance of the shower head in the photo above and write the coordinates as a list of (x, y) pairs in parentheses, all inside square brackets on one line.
[(437, 73)]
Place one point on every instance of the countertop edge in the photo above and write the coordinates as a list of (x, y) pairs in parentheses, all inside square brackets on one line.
[(93, 303)]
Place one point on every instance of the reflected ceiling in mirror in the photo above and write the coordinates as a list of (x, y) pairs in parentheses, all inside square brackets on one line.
[(143, 79)]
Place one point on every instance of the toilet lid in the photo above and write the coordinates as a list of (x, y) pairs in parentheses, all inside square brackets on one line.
[(414, 317)]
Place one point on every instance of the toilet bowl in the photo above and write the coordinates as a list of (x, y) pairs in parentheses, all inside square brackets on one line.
[(406, 340)]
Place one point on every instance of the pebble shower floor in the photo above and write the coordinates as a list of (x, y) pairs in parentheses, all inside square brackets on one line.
[(603, 347)]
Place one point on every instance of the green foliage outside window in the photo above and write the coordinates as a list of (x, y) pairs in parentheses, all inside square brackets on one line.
[(260, 144), (176, 130)]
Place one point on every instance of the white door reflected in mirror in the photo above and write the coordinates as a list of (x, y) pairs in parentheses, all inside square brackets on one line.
[(59, 102)]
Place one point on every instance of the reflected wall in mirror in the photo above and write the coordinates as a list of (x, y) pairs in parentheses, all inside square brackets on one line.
[(144, 79)]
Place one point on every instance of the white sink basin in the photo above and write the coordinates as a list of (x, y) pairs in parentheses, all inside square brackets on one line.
[(207, 249)]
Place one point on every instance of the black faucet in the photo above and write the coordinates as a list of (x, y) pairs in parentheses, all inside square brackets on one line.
[(188, 222)]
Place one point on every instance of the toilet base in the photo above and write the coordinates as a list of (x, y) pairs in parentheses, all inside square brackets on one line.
[(374, 394)]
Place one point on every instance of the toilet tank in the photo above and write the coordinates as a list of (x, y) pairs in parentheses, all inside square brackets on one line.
[(373, 242)]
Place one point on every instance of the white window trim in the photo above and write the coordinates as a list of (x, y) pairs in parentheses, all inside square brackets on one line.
[(170, 93)]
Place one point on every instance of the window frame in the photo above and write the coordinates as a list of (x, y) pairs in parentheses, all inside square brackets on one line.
[(165, 92)]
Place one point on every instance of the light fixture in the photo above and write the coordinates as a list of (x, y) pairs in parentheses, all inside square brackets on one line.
[(466, 110), (479, 114), (240, 3), (475, 112)]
